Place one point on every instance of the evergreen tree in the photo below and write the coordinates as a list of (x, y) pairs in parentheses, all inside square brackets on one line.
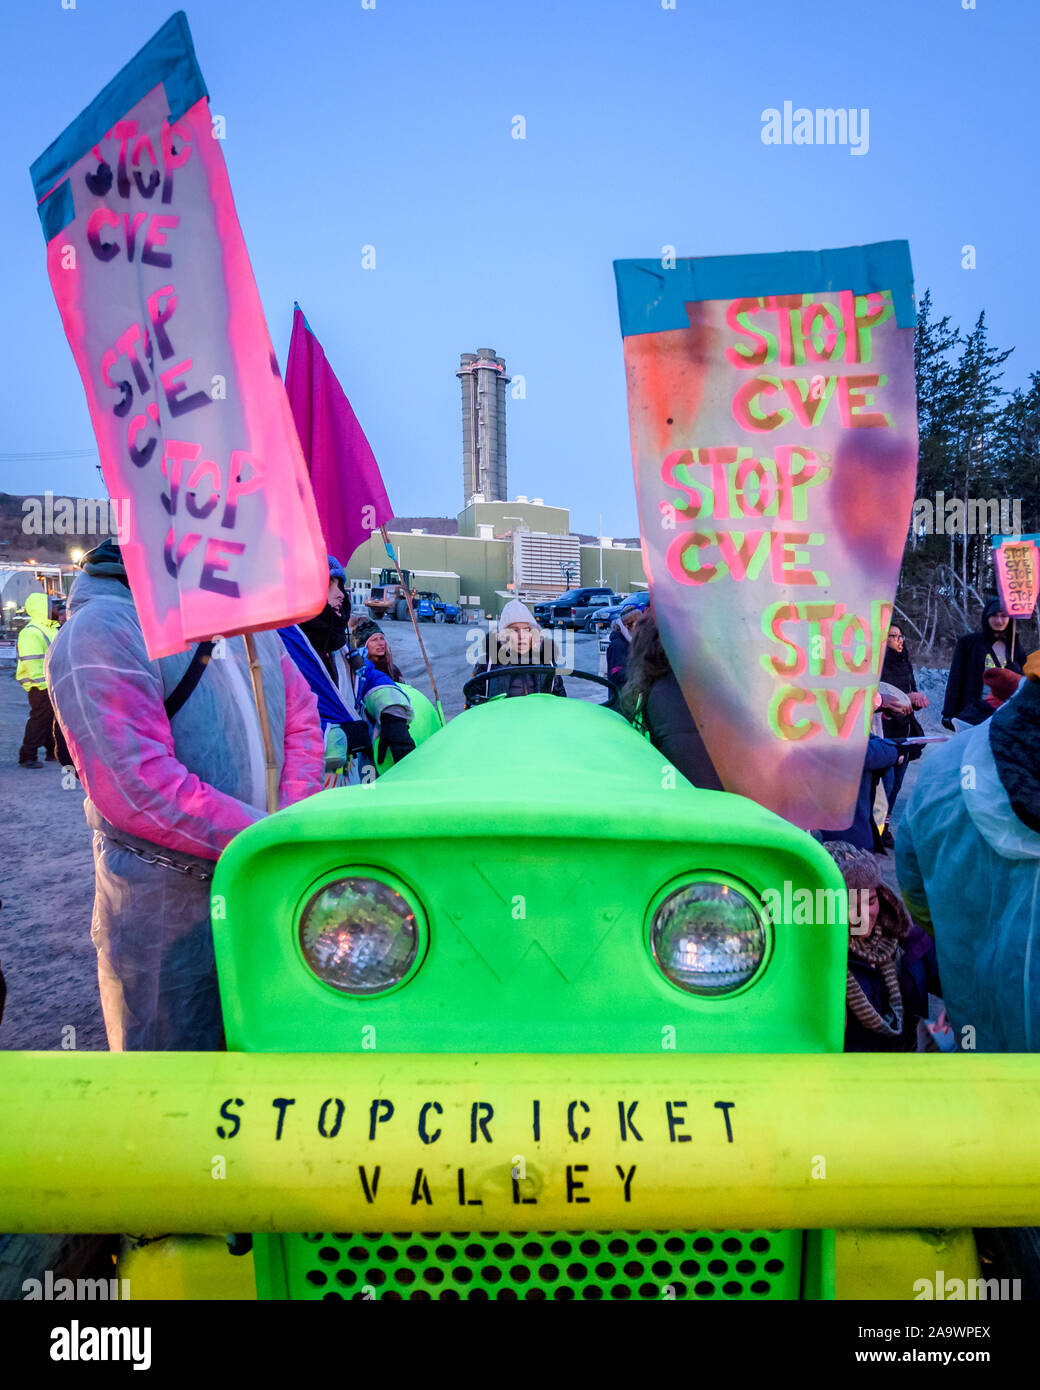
[(977, 406), (934, 340), (1017, 446)]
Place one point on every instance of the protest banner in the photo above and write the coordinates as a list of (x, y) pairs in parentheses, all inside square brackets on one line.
[(152, 279), (774, 438), (1017, 566)]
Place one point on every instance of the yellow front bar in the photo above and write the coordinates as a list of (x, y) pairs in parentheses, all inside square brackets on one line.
[(261, 1142)]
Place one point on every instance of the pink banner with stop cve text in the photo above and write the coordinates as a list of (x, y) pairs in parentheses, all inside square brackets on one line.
[(150, 272)]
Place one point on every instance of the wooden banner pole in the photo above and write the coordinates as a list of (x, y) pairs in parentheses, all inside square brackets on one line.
[(270, 762)]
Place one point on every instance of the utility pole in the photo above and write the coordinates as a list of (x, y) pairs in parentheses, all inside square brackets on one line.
[(600, 539)]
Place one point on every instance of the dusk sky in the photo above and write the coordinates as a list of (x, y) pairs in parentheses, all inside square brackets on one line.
[(392, 127)]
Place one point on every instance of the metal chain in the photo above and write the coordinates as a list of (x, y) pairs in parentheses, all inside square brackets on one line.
[(159, 858)]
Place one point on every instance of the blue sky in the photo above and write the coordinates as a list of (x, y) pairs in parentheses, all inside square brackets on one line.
[(391, 127)]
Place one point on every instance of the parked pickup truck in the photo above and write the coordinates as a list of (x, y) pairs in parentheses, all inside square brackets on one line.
[(572, 608), (601, 617)]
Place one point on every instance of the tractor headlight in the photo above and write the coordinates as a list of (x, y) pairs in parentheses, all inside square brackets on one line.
[(361, 935), (708, 936)]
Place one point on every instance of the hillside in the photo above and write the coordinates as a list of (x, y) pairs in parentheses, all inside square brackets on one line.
[(18, 543)]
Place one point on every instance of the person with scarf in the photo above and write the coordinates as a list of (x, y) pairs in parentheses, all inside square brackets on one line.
[(357, 702), (899, 720), (976, 653), (892, 965), (620, 640)]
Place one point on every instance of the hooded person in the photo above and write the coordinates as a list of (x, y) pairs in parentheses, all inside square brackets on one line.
[(892, 966), (171, 758), (34, 639), (976, 653), (621, 633), (968, 863), (358, 704), (518, 642)]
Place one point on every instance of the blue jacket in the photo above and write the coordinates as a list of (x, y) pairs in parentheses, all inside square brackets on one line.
[(881, 753)]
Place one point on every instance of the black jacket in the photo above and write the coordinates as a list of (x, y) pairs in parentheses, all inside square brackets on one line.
[(673, 732), (964, 684), (617, 657), (897, 669)]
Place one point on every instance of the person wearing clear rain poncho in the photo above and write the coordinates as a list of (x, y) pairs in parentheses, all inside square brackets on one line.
[(171, 758), (968, 863)]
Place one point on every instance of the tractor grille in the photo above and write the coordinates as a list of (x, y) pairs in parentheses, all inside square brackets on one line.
[(619, 1265)]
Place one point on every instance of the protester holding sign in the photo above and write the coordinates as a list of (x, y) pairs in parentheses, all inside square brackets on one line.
[(170, 756), (977, 652)]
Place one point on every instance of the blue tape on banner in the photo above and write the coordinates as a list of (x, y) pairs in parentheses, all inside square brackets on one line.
[(653, 299), (168, 58)]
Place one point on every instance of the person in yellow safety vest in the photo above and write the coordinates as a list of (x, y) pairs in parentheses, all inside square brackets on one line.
[(33, 640)]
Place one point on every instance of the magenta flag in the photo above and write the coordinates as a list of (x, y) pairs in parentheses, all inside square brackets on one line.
[(345, 478)]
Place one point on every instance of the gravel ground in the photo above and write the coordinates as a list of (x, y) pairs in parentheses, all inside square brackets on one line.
[(48, 959)]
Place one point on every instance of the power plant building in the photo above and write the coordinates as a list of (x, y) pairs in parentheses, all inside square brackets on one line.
[(484, 380), (520, 549), (502, 549)]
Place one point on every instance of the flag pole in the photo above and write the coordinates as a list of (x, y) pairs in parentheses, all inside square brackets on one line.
[(270, 763), (415, 621)]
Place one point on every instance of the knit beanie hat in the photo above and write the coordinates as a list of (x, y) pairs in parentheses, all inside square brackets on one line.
[(861, 871)]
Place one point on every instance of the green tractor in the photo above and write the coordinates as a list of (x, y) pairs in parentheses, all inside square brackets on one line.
[(530, 1017)]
